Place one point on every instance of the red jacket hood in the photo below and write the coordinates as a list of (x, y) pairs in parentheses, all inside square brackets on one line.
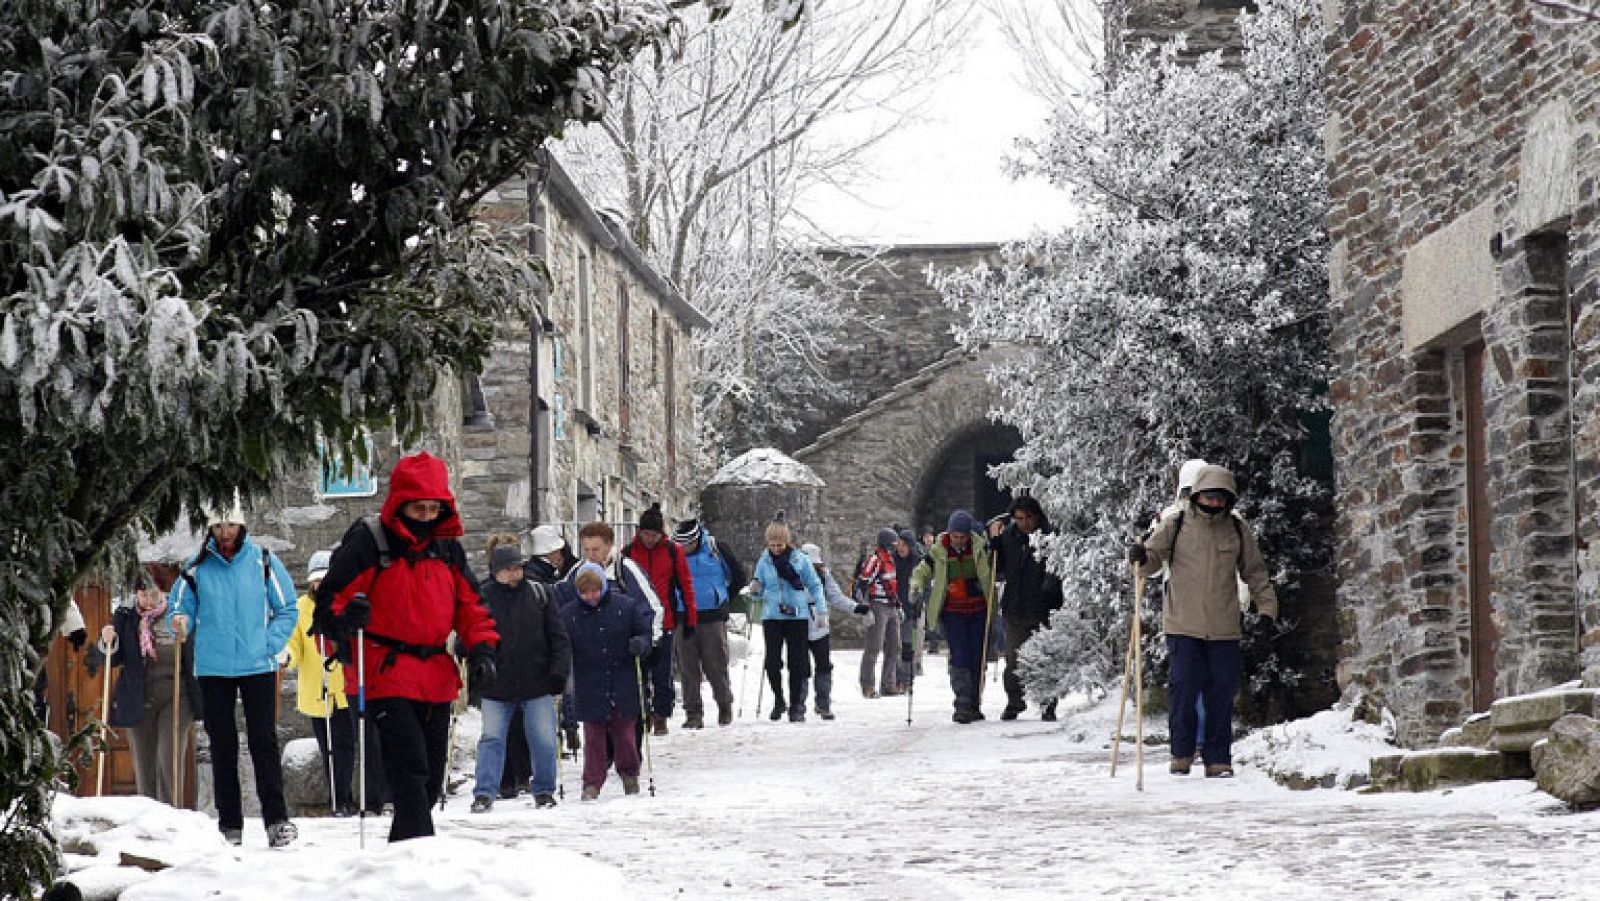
[(421, 477)]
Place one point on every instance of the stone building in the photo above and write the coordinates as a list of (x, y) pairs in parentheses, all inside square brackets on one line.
[(609, 430), (1463, 160)]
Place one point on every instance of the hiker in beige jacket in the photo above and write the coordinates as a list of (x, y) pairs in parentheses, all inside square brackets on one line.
[(1205, 548)]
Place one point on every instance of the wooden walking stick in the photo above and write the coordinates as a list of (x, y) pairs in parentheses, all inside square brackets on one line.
[(988, 622), (1133, 670), (107, 648)]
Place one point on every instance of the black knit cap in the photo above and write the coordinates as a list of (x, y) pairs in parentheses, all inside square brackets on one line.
[(651, 520)]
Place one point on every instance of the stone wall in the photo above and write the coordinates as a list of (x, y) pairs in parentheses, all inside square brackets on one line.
[(900, 321), (1208, 24), (1463, 160)]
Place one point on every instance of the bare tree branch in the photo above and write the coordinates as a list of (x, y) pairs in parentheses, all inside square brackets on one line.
[(1562, 12)]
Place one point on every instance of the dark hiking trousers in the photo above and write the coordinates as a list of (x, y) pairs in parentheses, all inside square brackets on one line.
[(1018, 631), (822, 667), (1208, 670), (415, 737), (344, 748), (964, 633), (258, 694), (788, 637)]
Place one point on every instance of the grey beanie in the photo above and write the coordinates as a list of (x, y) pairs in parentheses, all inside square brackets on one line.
[(886, 538), (505, 556)]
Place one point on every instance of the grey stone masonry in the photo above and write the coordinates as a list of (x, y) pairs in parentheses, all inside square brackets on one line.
[(1462, 157)]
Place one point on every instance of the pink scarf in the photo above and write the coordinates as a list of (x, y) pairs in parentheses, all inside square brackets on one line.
[(147, 641)]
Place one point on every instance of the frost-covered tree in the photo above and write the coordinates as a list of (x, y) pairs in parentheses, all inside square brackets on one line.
[(1183, 315), (229, 229), (705, 152)]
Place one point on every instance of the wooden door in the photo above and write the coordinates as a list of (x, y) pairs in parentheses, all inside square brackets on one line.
[(75, 699), (1485, 636)]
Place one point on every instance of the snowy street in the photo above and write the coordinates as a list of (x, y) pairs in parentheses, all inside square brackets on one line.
[(865, 808)]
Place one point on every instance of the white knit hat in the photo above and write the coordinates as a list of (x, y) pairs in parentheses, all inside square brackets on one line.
[(546, 540)]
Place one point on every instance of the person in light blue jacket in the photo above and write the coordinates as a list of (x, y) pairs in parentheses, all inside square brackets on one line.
[(240, 601), (820, 627), (791, 596)]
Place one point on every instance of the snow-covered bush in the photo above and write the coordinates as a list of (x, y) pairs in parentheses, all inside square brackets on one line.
[(1183, 315)]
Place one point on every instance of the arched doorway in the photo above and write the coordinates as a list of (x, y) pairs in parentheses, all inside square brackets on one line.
[(957, 477)]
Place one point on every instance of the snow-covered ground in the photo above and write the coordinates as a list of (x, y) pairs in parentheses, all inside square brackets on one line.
[(866, 807)]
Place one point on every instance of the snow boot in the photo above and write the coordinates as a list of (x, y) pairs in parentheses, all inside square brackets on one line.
[(283, 832), (797, 699), (1013, 710), (778, 708), (965, 688), (482, 804), (544, 800)]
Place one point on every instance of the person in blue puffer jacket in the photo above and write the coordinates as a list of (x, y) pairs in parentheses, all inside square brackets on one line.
[(241, 603), (791, 595)]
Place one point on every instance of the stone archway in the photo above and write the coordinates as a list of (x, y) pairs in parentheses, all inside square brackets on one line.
[(957, 477), (903, 452)]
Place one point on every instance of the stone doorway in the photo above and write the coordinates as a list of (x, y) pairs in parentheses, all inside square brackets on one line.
[(957, 478)]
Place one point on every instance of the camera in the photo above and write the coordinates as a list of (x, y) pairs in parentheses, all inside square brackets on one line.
[(786, 609)]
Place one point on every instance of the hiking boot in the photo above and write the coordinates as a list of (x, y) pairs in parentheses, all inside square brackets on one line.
[(694, 721), (977, 714), (825, 712), (234, 837), (891, 692), (630, 785), (1013, 710), (797, 714), (1049, 714), (591, 792), (778, 710), (1219, 771), (724, 716), (660, 724), (1180, 766), (544, 799), (281, 833), (868, 692), (507, 794), (574, 743), (482, 804), (963, 715)]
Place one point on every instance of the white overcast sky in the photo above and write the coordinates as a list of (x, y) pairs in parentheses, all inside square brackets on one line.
[(941, 180)]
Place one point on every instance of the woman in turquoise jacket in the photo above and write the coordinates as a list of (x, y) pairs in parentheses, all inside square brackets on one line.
[(240, 602), (791, 594)]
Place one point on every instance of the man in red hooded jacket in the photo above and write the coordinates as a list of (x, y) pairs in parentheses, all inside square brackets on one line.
[(403, 577), (664, 562)]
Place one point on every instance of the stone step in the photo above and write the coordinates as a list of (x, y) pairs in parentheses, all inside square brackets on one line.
[(1519, 722), (1443, 767)]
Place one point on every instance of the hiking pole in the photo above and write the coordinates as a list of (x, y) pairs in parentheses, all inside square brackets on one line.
[(450, 749), (361, 735), (561, 751), (908, 659), (650, 766), (327, 706), (177, 721), (1122, 703), (744, 671), (107, 648), (1138, 672), (988, 621)]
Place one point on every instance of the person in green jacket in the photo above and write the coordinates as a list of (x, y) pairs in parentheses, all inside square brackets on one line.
[(956, 576)]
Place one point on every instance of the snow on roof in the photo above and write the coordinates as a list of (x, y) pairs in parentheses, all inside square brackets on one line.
[(765, 466)]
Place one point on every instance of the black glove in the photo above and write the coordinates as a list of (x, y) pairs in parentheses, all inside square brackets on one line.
[(688, 630), (1265, 624), (1137, 554), (480, 667), (357, 614), (78, 638), (861, 609), (906, 653), (639, 645)]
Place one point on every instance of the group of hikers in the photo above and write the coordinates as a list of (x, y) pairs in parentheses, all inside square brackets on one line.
[(394, 625)]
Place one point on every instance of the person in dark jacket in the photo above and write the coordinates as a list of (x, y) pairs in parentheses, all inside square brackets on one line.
[(907, 554), (404, 582), (144, 647), (664, 562), (610, 634), (1031, 593), (532, 662), (717, 577), (550, 561), (551, 556)]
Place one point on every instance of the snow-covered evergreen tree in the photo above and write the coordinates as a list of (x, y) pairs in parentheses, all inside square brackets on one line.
[(229, 230), (1184, 315)]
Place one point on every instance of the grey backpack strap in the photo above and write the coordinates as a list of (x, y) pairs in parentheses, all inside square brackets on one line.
[(380, 538)]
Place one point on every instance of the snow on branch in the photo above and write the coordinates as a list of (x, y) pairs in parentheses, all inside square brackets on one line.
[(1565, 12)]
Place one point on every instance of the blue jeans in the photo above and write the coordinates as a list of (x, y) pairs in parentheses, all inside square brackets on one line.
[(538, 726), (1207, 671)]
